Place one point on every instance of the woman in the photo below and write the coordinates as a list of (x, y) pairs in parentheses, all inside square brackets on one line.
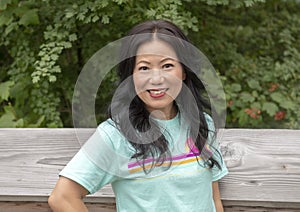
[(156, 149)]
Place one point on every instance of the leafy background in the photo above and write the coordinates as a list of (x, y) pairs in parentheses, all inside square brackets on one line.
[(254, 46)]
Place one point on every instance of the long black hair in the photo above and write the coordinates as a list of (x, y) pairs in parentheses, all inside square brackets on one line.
[(153, 143)]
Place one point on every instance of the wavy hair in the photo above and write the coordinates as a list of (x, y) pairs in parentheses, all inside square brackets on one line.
[(153, 143)]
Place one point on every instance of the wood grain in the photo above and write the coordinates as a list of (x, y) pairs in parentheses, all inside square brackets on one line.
[(264, 165), (43, 207), (264, 168), (98, 207)]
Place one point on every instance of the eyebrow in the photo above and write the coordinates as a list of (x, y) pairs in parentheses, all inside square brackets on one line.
[(143, 61), (162, 61), (167, 58)]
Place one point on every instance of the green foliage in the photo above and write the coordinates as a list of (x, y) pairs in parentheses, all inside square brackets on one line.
[(253, 44), (4, 90), (257, 53)]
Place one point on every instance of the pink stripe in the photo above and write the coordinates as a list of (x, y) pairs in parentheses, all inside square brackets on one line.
[(192, 145), (179, 157)]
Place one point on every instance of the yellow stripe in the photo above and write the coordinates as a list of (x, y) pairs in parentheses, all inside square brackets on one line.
[(171, 175), (165, 164)]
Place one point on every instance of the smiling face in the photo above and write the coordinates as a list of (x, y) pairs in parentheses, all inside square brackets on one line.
[(157, 77)]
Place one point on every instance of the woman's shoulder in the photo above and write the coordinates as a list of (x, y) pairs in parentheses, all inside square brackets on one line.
[(109, 129), (108, 126), (111, 134)]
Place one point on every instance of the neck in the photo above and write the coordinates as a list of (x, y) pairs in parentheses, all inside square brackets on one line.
[(164, 115)]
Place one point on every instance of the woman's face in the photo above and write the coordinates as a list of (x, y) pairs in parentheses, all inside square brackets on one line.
[(157, 77)]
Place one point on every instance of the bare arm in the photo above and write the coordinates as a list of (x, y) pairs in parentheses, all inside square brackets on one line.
[(217, 197), (67, 196)]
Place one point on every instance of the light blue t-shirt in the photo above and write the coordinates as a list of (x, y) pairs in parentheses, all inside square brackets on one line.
[(181, 183)]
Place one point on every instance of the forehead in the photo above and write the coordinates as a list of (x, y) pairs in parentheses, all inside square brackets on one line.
[(158, 48)]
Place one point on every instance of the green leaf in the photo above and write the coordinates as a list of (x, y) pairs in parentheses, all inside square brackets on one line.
[(4, 89), (95, 18), (67, 44), (19, 123), (80, 16), (242, 118), (35, 79), (52, 78), (289, 105), (254, 84), (119, 1), (277, 97), (72, 37), (270, 108), (30, 17), (7, 120), (54, 56), (105, 19), (255, 94), (10, 28), (4, 3), (247, 97), (38, 123), (256, 105), (151, 13), (5, 19), (70, 14), (236, 87)]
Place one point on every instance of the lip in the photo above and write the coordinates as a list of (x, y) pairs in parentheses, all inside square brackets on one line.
[(157, 92)]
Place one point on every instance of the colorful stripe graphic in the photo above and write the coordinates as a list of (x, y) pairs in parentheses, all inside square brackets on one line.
[(189, 157)]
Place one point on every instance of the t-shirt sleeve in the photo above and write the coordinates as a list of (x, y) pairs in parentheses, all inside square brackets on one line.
[(217, 173), (84, 172), (90, 166)]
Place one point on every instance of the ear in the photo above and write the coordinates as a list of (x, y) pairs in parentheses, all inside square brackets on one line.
[(183, 75)]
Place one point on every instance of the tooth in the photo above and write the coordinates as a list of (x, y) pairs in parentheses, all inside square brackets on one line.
[(157, 92)]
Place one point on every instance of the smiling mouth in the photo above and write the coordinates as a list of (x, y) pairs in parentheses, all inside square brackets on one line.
[(156, 93)]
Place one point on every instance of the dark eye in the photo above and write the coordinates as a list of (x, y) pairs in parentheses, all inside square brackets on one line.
[(143, 68), (168, 66)]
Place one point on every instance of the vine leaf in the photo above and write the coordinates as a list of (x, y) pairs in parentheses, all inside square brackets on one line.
[(4, 89)]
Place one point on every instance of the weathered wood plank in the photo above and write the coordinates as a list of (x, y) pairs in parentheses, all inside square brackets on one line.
[(92, 207), (44, 207), (258, 209), (264, 167), (30, 160), (259, 205)]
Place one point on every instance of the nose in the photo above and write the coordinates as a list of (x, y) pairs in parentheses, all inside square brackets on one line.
[(156, 77)]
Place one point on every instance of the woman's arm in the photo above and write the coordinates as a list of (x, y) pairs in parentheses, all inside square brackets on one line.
[(67, 196), (217, 197)]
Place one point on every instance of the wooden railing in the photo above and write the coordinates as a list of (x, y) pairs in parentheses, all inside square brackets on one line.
[(264, 168)]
